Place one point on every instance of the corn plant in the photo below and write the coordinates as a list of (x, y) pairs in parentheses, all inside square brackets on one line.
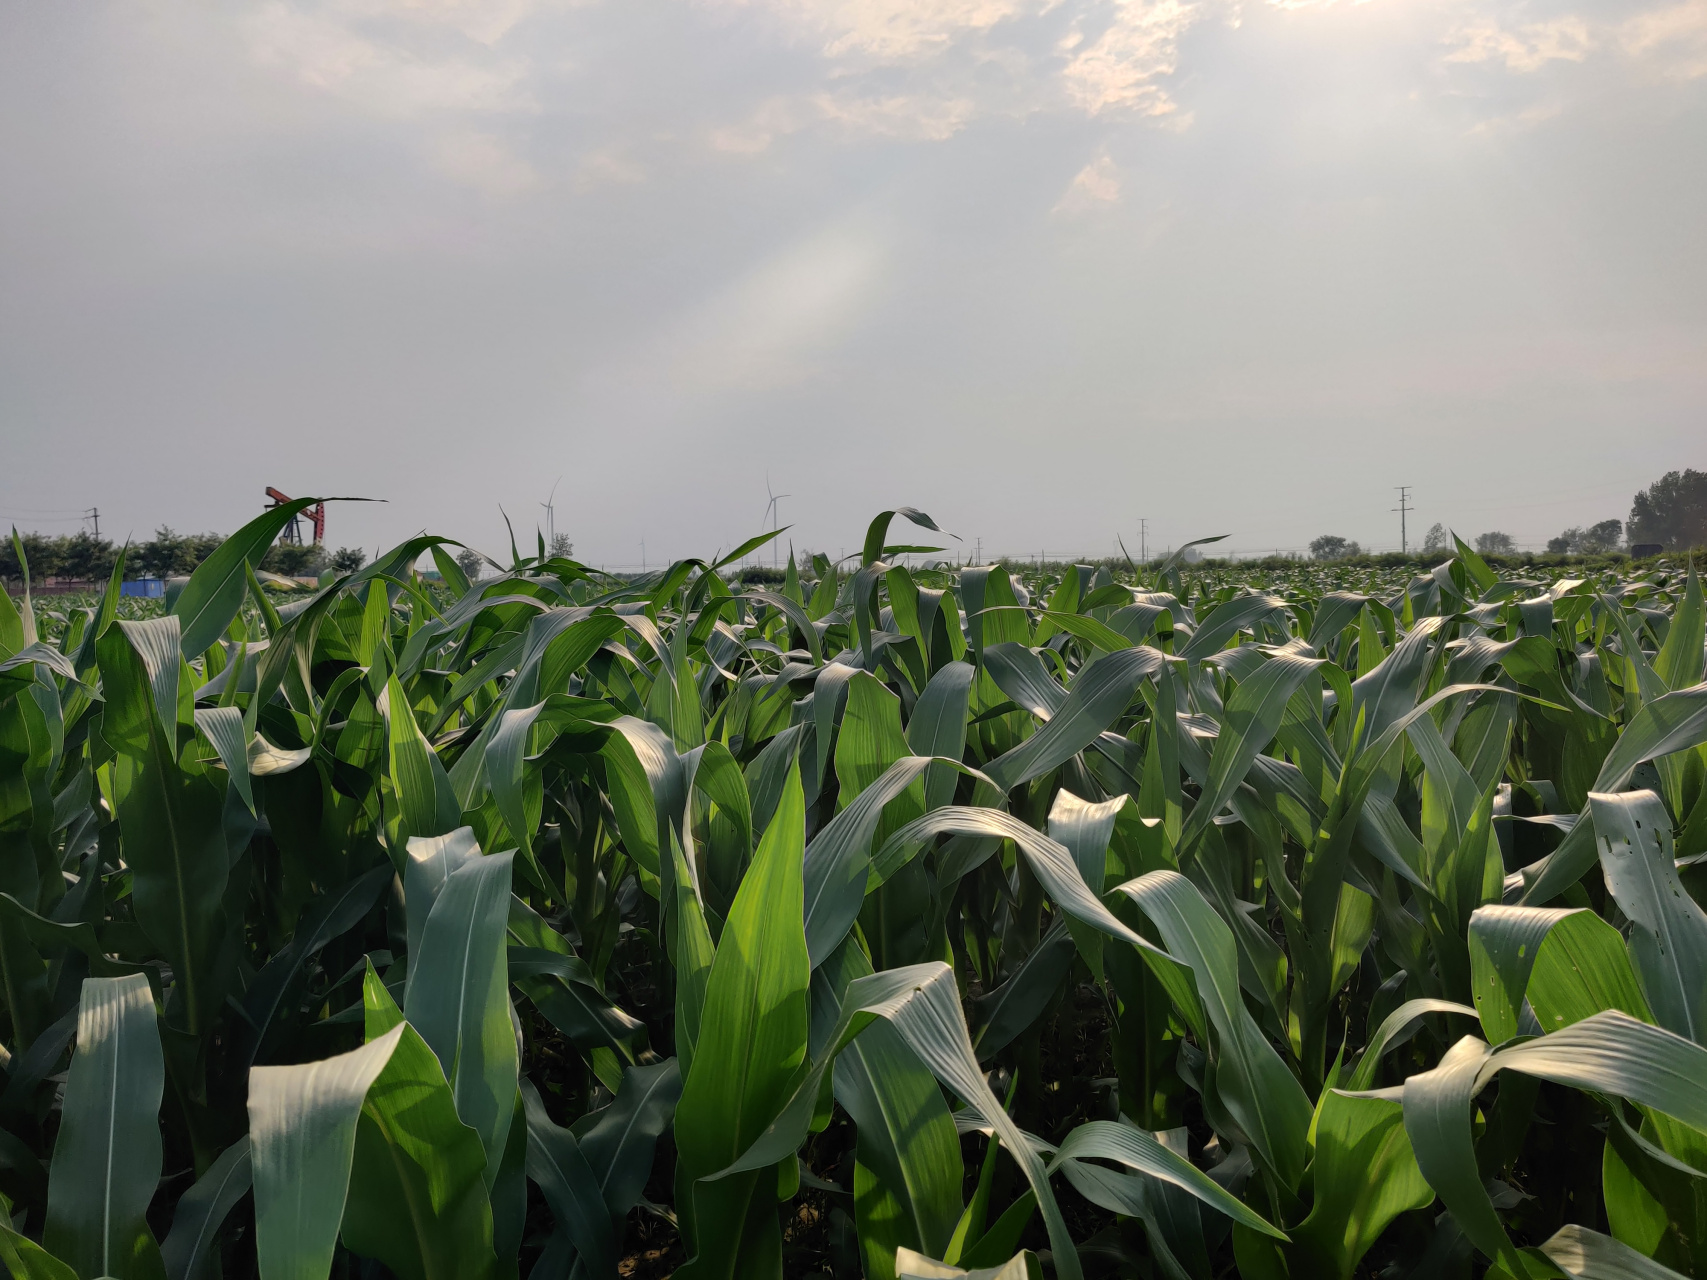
[(884, 921)]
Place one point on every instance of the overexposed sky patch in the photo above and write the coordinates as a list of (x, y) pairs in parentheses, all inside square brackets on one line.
[(1041, 267)]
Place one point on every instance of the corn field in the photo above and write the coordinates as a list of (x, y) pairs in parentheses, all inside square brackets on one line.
[(880, 922)]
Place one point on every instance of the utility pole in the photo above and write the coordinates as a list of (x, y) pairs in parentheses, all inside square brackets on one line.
[(1143, 541), (1404, 508), (94, 513), (978, 551)]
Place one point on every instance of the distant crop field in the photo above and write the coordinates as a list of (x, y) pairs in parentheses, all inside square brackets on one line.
[(1298, 919)]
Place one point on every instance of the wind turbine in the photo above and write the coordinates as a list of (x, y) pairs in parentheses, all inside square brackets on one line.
[(551, 518), (771, 514)]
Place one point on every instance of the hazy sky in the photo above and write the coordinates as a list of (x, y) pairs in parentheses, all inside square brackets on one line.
[(1040, 267)]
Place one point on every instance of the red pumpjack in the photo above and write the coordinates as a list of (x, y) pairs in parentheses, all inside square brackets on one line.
[(292, 534)]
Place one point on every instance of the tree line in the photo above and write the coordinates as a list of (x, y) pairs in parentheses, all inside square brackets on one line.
[(169, 554), (1670, 514)]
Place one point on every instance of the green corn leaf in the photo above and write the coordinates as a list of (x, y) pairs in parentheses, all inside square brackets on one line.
[(1364, 1175), (750, 1056), (458, 997), (1568, 964), (191, 1248), (555, 1163), (426, 803), (1259, 1091), (906, 1144), (215, 591), (937, 726), (920, 1002), (619, 1141), (562, 988), (106, 1160), (1682, 659), (24, 1259), (327, 917), (302, 1134), (1137, 1150), (1609, 1052), (1251, 719), (1668, 934), (1004, 1013), (417, 1197), (1390, 1034), (1098, 696), (223, 727), (1588, 1255)]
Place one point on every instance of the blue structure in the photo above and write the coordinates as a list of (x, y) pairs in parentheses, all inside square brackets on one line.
[(147, 588)]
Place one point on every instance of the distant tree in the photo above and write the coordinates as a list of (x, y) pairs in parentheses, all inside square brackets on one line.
[(1330, 546), (1436, 539), (1672, 511), (472, 562), (171, 554), (86, 556), (1496, 543), (42, 556), (1597, 539), (295, 560), (1608, 535), (561, 547), (348, 559)]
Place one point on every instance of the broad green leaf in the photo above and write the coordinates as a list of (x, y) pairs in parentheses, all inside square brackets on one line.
[(1389, 1034), (173, 825), (1363, 1176), (1001, 1015), (750, 1056), (215, 591), (302, 1134), (1588, 1255), (417, 1192), (426, 803), (937, 727), (458, 997), (1260, 1092), (907, 1145), (555, 1163), (920, 1002), (1137, 1150), (106, 1159), (1249, 723), (1668, 933), (1098, 696), (619, 1140), (224, 728), (191, 1249), (1609, 1052), (23, 1258)]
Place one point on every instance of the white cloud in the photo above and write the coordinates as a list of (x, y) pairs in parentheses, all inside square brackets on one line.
[(340, 50), (895, 30), (1525, 48), (1095, 186), (1121, 67), (485, 162), (914, 117), (1674, 36)]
